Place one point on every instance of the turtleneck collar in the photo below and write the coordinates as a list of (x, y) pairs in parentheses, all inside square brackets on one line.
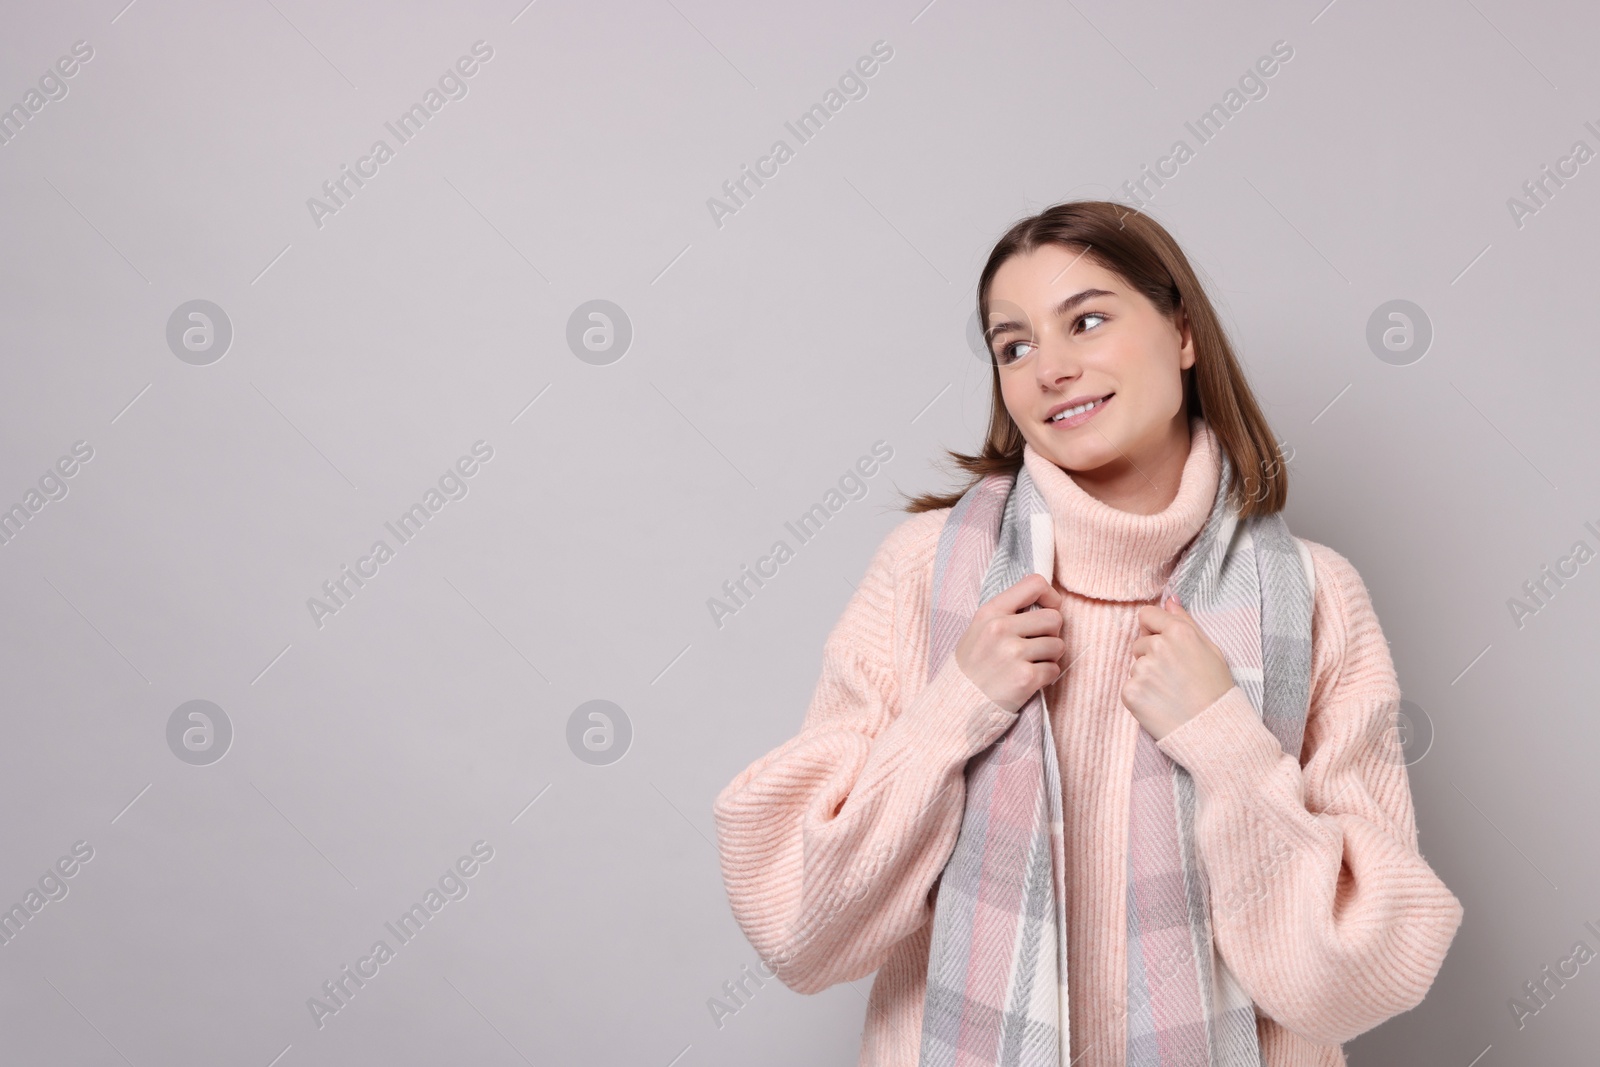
[(1109, 554)]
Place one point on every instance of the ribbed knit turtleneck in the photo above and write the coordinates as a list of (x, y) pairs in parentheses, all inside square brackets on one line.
[(1110, 554)]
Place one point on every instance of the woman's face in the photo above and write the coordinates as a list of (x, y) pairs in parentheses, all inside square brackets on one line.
[(1065, 329)]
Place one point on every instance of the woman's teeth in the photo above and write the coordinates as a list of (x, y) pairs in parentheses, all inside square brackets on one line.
[(1079, 410)]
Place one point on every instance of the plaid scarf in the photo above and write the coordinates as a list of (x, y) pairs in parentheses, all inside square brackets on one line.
[(997, 966)]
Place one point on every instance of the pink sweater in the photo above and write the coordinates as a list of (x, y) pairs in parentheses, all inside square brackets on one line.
[(1323, 908)]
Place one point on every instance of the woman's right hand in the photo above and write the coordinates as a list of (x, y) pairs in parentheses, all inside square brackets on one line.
[(1010, 652)]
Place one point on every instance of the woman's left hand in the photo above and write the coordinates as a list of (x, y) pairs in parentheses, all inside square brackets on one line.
[(1177, 673)]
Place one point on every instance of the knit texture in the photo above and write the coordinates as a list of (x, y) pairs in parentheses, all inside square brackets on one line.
[(1323, 907)]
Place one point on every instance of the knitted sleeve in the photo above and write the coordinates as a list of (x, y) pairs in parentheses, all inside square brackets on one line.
[(831, 843), (1322, 906)]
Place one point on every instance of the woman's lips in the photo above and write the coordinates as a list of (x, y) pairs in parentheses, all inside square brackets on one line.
[(1083, 417)]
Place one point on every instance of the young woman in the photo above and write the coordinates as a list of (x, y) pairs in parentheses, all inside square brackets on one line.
[(1220, 796)]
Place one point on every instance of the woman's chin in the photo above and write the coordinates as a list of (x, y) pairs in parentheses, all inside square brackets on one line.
[(1080, 457)]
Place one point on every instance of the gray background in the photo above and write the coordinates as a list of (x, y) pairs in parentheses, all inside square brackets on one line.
[(432, 311)]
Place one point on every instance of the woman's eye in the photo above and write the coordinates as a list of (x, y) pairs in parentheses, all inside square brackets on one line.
[(1089, 315), (1008, 353)]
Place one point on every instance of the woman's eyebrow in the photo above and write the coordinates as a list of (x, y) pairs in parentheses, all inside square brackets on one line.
[(1064, 308)]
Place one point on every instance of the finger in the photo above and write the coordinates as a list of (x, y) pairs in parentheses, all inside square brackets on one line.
[(1047, 649), (1047, 596), (1036, 623), (1177, 612), (1051, 597), (1183, 613), (1020, 595), (1157, 619), (1150, 618), (1175, 607)]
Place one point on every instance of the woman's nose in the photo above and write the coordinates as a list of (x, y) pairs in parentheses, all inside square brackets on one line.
[(1055, 359)]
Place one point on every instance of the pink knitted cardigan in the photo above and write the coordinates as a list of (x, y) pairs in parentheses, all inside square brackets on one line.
[(1323, 907)]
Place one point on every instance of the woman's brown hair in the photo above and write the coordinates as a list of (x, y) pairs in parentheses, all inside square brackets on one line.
[(1137, 248)]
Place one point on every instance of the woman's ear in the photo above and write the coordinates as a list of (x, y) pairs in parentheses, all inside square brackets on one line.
[(1185, 339)]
